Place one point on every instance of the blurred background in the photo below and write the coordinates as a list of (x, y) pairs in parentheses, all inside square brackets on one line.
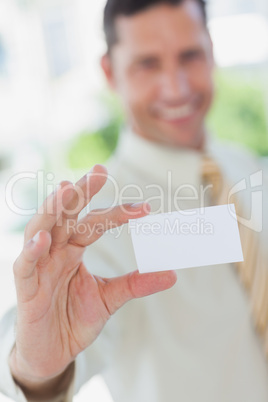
[(57, 117)]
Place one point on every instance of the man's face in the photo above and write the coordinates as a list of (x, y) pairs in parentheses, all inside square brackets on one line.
[(162, 68)]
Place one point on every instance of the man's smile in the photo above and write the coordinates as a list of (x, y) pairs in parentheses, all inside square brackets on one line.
[(176, 114)]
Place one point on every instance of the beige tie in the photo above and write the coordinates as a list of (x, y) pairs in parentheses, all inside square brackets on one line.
[(253, 272)]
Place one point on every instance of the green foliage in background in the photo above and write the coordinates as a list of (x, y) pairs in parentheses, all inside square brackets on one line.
[(94, 147), (238, 115), (91, 148)]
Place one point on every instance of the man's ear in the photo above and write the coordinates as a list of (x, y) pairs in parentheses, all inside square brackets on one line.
[(106, 65)]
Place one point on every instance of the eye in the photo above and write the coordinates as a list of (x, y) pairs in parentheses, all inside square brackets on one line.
[(192, 55), (149, 63)]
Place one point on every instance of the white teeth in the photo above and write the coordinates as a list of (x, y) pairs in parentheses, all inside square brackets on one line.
[(176, 113)]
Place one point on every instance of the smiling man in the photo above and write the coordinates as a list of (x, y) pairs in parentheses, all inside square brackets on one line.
[(160, 61), (194, 342)]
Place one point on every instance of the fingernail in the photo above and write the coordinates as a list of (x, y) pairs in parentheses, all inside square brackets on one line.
[(146, 207), (137, 205), (36, 238)]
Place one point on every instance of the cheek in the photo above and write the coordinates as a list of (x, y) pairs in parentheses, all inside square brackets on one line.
[(201, 76), (141, 87), (140, 97), (203, 85)]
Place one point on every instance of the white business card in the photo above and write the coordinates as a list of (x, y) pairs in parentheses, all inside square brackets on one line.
[(191, 238)]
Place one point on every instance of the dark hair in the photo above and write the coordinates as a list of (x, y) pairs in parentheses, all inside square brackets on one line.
[(115, 8)]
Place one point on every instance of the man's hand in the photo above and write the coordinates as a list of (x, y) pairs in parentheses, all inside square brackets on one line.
[(62, 307)]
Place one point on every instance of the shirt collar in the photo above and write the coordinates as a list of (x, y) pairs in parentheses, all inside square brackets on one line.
[(156, 160)]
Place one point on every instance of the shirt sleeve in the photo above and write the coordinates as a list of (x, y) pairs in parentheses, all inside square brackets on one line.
[(7, 339), (7, 384)]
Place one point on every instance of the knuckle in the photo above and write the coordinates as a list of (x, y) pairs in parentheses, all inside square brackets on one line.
[(100, 228)]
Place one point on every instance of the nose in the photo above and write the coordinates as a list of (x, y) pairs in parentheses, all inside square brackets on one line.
[(174, 85)]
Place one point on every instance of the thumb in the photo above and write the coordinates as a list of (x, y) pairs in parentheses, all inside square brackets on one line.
[(118, 291)]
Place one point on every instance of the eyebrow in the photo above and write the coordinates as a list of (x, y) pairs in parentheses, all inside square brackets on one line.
[(184, 54), (143, 57), (192, 51)]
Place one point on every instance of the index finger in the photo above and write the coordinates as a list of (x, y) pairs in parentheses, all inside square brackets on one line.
[(50, 211), (85, 189)]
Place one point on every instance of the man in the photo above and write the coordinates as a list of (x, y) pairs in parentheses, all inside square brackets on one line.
[(193, 342)]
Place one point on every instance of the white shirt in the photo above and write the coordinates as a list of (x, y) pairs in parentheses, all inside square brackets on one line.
[(194, 342)]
